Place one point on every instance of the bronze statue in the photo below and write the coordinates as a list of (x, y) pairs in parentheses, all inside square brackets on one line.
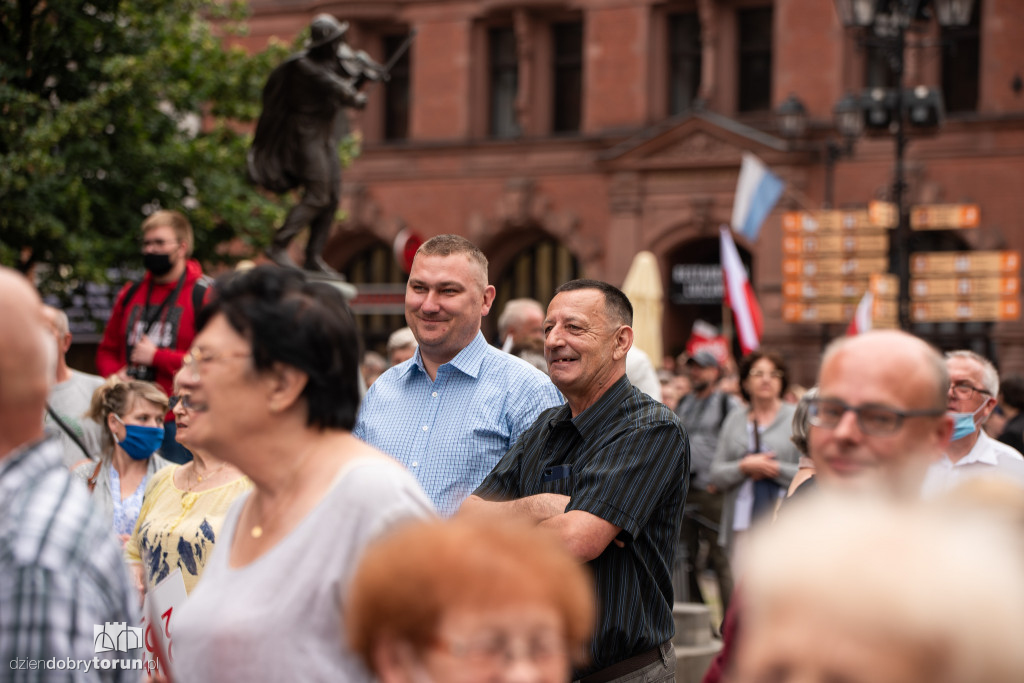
[(297, 136)]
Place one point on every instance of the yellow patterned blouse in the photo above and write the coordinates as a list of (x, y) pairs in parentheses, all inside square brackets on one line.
[(179, 528)]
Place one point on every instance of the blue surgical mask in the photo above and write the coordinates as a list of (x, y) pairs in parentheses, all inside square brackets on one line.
[(140, 442), (963, 423)]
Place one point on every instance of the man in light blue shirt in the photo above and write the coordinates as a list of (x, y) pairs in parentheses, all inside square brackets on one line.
[(451, 411)]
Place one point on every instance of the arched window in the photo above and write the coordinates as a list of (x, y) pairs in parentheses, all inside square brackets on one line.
[(533, 273), (694, 290)]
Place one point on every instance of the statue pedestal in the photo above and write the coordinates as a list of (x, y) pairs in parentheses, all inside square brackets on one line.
[(348, 290)]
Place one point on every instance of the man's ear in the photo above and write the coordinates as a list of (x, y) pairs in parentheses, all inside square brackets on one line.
[(489, 293), (623, 341), (990, 406), (285, 384)]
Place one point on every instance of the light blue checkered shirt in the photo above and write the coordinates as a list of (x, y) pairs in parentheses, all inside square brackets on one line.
[(451, 432)]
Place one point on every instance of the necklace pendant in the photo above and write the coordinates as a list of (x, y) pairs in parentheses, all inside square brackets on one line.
[(256, 531), (199, 479)]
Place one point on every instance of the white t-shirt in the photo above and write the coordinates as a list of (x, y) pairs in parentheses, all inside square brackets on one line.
[(279, 617)]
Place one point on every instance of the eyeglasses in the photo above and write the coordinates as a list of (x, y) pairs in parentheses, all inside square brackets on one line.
[(763, 374), (495, 650), (184, 401), (965, 390), (873, 419), (197, 357)]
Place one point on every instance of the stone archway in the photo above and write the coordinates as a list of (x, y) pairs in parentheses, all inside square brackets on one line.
[(693, 285)]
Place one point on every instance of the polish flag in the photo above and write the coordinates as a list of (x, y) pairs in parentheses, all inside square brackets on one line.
[(862, 316), (740, 295)]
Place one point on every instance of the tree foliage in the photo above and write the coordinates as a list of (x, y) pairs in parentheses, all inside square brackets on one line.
[(100, 110)]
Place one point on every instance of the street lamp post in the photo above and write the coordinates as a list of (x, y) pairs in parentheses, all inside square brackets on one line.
[(889, 21), (848, 120)]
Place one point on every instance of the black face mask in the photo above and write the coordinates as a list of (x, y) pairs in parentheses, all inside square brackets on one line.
[(158, 264)]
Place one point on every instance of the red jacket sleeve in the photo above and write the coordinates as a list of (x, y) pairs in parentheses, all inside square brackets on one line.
[(110, 356)]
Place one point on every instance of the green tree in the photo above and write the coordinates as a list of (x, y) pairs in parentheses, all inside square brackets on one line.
[(110, 109)]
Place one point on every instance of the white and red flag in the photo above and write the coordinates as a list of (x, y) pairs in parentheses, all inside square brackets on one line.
[(740, 295), (862, 316)]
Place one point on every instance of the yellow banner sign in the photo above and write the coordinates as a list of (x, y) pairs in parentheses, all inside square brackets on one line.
[(883, 214), (940, 263), (978, 310), (819, 289), (944, 216), (884, 286), (794, 312), (825, 221), (836, 243), (964, 287), (845, 267)]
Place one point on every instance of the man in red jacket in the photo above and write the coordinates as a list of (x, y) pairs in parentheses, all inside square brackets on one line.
[(153, 321)]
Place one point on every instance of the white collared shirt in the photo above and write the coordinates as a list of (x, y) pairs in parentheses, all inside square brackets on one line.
[(988, 457)]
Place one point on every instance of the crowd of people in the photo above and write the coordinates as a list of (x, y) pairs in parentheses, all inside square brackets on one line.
[(462, 511)]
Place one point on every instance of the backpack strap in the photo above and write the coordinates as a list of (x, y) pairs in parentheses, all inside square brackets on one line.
[(199, 292), (67, 430), (723, 408)]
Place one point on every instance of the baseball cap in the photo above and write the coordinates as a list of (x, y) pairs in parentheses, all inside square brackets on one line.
[(704, 359)]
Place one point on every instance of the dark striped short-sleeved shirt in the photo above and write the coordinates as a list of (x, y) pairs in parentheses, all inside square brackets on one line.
[(624, 459)]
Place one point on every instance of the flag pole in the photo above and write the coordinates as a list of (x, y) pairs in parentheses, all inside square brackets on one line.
[(727, 327)]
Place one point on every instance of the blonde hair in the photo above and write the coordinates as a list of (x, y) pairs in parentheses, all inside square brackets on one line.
[(449, 245), (115, 397)]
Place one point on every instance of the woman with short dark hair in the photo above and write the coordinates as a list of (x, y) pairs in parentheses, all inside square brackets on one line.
[(273, 376)]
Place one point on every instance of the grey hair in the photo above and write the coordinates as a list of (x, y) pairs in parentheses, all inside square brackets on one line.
[(801, 427), (989, 375), (513, 313), (400, 338), (60, 320)]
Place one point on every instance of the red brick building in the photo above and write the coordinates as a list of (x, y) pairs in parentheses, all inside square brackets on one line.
[(564, 136)]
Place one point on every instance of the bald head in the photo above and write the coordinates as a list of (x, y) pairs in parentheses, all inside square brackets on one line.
[(895, 373), (27, 361)]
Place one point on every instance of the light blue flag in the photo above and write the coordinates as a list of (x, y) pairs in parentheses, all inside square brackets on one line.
[(756, 193)]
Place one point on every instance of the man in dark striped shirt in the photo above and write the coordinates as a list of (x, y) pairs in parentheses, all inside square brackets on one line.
[(607, 472)]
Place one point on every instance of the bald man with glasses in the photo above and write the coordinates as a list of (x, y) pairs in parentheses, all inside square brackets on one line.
[(880, 417), (879, 420), (974, 386)]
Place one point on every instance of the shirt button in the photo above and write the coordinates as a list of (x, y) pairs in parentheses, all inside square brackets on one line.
[(425, 427), (415, 463), (434, 394)]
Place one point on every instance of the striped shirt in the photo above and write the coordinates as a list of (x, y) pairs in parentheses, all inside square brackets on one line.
[(61, 572), (626, 460), (452, 431)]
